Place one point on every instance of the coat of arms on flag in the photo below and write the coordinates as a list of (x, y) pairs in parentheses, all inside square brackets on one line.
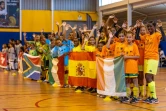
[(3, 60), (31, 66), (80, 71)]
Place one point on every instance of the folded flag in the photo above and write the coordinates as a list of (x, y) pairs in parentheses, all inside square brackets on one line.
[(3, 60), (50, 78), (31, 66), (111, 76), (57, 54)]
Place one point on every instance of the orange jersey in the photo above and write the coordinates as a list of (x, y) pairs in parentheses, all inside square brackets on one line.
[(108, 52), (115, 39), (141, 48), (151, 46), (98, 53), (111, 50), (118, 48), (104, 51), (131, 65)]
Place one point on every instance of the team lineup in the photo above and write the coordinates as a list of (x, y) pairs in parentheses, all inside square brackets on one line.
[(138, 46)]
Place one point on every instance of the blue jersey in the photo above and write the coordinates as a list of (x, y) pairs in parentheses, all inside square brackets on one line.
[(62, 50), (59, 51), (54, 52), (69, 46), (48, 41)]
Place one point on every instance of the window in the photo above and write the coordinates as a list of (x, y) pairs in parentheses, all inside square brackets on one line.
[(106, 2)]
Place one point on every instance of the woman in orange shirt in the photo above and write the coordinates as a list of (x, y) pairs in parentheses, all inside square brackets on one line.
[(151, 59)]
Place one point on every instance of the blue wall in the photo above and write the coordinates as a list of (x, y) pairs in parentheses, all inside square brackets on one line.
[(5, 36), (163, 46)]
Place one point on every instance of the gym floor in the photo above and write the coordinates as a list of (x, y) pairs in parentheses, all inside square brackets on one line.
[(18, 94)]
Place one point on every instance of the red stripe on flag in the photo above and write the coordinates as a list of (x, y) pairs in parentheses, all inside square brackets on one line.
[(81, 56), (92, 83), (61, 69), (35, 61), (78, 81)]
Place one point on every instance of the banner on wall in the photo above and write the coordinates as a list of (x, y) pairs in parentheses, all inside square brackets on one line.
[(9, 13)]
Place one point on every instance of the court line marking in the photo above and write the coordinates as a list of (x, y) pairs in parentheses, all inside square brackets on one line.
[(128, 104), (5, 109), (37, 103)]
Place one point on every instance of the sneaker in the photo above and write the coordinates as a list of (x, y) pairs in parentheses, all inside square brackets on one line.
[(102, 96), (124, 99), (90, 89), (131, 95), (134, 100), (66, 86), (115, 97), (140, 99), (93, 90), (77, 88), (153, 101), (82, 88), (146, 100)]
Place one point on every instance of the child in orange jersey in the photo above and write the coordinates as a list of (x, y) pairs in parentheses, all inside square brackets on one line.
[(99, 51), (118, 47), (131, 56), (109, 52), (141, 47)]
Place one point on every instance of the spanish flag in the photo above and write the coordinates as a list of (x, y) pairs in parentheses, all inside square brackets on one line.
[(82, 69), (111, 76)]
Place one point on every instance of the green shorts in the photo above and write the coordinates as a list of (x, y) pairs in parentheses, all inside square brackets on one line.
[(131, 75)]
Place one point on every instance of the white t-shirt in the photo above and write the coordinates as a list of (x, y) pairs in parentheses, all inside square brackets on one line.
[(11, 54), (5, 50), (3, 12), (17, 48)]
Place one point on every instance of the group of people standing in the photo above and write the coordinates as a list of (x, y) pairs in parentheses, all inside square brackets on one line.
[(138, 45)]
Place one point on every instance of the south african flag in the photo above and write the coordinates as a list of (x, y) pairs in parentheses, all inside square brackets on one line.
[(31, 66)]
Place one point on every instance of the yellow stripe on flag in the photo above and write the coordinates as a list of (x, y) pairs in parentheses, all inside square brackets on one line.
[(92, 70)]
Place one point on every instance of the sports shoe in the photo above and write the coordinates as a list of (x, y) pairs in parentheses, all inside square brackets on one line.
[(93, 90), (82, 88), (146, 100), (153, 101), (90, 89), (102, 96), (131, 95), (134, 100), (124, 99), (140, 98), (77, 88)]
